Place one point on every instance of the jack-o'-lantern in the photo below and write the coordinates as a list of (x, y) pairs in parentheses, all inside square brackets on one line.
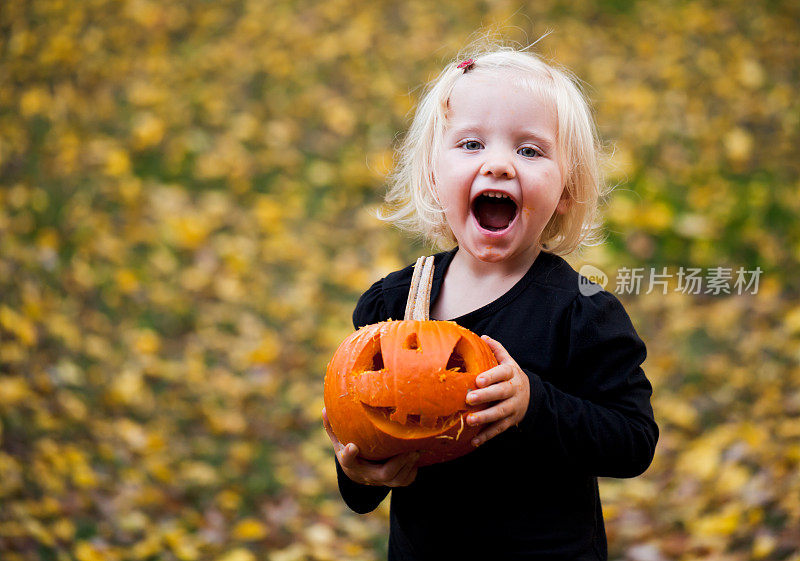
[(401, 386)]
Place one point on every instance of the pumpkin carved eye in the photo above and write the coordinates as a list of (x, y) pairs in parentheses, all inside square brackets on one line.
[(456, 362), (377, 361), (400, 386)]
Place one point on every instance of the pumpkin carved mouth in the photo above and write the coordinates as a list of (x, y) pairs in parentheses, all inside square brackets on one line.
[(415, 426)]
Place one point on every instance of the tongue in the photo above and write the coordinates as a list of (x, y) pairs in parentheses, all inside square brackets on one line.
[(494, 214)]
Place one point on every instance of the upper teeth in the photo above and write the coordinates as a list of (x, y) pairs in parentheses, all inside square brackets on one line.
[(496, 194)]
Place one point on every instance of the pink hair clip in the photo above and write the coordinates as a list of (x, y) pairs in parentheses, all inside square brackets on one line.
[(467, 64)]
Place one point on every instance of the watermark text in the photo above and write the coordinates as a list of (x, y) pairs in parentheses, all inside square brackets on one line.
[(686, 280)]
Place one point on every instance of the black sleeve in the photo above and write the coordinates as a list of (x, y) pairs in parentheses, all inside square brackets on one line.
[(603, 424), (370, 307), (364, 498), (360, 498)]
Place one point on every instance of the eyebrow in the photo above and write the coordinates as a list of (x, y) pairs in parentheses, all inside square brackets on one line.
[(543, 141)]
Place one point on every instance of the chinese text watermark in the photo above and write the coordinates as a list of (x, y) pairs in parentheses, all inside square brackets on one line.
[(688, 280)]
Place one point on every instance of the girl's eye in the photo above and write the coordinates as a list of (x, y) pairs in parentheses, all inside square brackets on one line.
[(472, 145), (528, 152)]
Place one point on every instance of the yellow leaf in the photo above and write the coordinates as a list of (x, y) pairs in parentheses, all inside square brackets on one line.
[(621, 210), (64, 529), (751, 74), (732, 478), (656, 217), (84, 477), (19, 325), (249, 529), (126, 388), (72, 405), (185, 550), (85, 551), (189, 231), (763, 545), (320, 534), (47, 238), (132, 434), (199, 473), (148, 547), (148, 130), (268, 213), (792, 320), (320, 173), (381, 163), (228, 500), (117, 162), (34, 101), (700, 460), (267, 350), (240, 554), (339, 117), (13, 390), (294, 552), (147, 342), (126, 280), (677, 411), (738, 145), (231, 422), (722, 523), (622, 164), (36, 530)]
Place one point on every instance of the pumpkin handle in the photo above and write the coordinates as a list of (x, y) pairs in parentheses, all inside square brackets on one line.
[(419, 294)]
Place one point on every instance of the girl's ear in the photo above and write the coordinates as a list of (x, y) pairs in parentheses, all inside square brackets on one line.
[(435, 190), (564, 203)]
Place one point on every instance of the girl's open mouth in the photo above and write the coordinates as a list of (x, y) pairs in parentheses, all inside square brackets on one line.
[(494, 211)]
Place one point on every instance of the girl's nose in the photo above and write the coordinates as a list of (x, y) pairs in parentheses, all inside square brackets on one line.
[(499, 166)]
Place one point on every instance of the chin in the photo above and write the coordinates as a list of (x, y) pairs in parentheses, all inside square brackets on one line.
[(488, 253)]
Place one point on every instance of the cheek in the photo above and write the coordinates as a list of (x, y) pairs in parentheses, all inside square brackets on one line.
[(552, 185), (552, 175), (453, 194)]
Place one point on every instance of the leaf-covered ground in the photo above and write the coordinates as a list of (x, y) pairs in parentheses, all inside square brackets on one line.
[(184, 230)]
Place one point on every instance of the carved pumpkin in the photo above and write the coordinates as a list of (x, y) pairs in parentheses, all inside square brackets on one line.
[(400, 386)]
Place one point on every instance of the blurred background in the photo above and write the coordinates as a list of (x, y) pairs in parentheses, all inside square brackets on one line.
[(185, 197)]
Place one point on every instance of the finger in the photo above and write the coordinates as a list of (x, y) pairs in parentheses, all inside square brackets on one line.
[(495, 392), (412, 475), (327, 424), (402, 477), (492, 414), (500, 352), (379, 472), (409, 478), (499, 373), (388, 472), (348, 456), (491, 431)]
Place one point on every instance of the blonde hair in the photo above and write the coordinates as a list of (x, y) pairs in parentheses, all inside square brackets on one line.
[(411, 201)]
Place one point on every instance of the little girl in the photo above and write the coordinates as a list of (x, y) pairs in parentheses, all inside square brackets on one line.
[(502, 162)]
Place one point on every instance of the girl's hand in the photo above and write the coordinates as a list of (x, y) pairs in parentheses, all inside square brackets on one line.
[(507, 386), (397, 471)]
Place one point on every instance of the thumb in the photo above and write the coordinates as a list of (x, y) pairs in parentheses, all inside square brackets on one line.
[(500, 352)]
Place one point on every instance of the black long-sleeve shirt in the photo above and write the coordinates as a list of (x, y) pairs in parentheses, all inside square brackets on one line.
[(530, 492)]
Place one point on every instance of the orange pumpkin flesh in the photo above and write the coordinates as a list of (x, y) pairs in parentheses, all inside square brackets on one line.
[(401, 386)]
